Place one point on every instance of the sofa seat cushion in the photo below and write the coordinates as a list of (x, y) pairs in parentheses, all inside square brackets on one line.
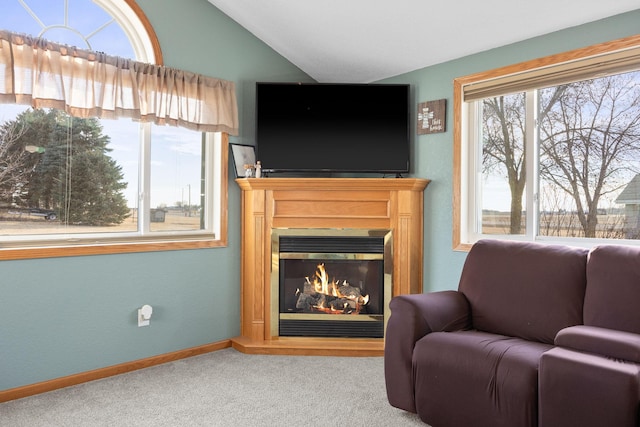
[(491, 379)]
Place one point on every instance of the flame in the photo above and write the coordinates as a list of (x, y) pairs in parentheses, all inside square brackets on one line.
[(323, 285)]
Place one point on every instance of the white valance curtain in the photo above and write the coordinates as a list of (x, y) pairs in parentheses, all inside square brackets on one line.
[(44, 74)]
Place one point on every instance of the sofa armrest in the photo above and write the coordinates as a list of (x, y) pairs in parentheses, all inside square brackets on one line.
[(443, 311), (605, 342), (412, 317)]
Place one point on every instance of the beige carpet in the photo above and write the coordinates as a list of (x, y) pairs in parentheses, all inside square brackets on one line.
[(224, 388)]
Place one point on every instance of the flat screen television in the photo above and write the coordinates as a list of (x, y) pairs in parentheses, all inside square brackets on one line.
[(322, 128)]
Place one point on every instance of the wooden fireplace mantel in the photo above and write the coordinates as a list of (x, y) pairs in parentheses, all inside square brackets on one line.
[(396, 204)]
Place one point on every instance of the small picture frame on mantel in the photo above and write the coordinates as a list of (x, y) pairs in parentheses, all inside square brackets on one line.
[(432, 116), (242, 155)]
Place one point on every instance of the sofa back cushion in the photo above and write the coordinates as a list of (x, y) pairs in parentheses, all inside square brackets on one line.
[(612, 298), (525, 290)]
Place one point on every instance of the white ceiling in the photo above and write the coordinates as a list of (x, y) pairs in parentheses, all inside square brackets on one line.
[(361, 41)]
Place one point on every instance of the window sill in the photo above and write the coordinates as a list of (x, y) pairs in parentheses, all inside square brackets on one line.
[(103, 248)]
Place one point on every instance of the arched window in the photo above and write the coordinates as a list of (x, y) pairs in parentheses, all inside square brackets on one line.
[(73, 182)]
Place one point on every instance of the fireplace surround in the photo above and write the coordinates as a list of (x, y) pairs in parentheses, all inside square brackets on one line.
[(319, 205)]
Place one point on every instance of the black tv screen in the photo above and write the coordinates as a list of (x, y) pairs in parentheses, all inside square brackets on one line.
[(320, 128)]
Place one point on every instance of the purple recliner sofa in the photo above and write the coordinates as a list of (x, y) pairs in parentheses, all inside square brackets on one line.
[(535, 336)]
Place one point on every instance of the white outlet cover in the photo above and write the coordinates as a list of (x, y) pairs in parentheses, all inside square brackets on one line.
[(142, 321)]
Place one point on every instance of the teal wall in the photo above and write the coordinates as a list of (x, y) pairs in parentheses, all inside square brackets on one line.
[(61, 316)]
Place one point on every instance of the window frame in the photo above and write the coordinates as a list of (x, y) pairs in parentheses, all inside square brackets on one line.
[(133, 20), (464, 153)]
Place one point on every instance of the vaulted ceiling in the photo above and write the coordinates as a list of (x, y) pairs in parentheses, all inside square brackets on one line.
[(367, 40)]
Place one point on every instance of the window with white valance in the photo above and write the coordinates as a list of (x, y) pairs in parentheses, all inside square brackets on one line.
[(100, 153)]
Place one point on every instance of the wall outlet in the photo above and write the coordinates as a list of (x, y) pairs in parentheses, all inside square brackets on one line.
[(144, 315)]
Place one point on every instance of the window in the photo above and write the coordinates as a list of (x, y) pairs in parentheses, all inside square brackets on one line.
[(97, 185), (549, 150)]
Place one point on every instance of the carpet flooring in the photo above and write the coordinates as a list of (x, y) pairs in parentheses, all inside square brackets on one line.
[(223, 388)]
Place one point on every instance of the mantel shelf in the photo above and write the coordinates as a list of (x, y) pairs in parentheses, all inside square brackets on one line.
[(395, 204), (408, 184)]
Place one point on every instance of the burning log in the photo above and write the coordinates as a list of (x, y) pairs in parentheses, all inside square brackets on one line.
[(305, 302), (309, 289), (329, 297), (350, 292)]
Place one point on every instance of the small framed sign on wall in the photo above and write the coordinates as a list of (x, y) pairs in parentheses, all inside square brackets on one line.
[(432, 116)]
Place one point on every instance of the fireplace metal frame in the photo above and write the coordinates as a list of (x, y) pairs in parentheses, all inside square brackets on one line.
[(387, 258)]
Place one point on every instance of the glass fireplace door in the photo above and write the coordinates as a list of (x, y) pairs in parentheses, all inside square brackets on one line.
[(332, 284)]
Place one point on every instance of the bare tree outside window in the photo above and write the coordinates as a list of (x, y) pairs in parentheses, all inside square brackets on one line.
[(503, 148), (590, 142), (589, 150)]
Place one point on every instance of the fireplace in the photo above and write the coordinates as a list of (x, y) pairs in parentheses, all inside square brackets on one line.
[(330, 282), (317, 207)]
